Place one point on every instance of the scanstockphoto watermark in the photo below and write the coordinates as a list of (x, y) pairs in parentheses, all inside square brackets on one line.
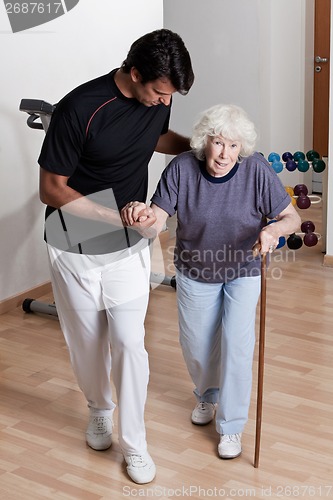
[(24, 15), (277, 491), (188, 491), (211, 265), (226, 254)]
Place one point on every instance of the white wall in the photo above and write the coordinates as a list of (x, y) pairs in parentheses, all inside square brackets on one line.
[(223, 39), (45, 63)]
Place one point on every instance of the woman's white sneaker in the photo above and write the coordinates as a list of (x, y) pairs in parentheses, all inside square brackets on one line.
[(140, 468), (230, 445), (203, 413)]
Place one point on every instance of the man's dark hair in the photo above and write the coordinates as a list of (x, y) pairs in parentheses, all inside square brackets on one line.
[(158, 54)]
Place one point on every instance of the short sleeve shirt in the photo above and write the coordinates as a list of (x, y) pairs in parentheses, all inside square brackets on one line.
[(102, 141), (219, 218)]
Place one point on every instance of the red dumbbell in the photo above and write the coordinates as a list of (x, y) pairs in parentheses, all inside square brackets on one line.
[(303, 201), (310, 238)]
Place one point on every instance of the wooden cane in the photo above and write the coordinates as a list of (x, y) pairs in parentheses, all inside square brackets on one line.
[(261, 356)]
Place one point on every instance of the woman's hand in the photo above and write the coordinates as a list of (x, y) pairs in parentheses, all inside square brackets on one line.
[(287, 222), (268, 239)]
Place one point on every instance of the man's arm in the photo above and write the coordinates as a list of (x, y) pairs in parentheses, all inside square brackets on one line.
[(54, 191), (172, 143)]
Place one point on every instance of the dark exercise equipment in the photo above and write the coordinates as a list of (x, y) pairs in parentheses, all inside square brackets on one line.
[(40, 113)]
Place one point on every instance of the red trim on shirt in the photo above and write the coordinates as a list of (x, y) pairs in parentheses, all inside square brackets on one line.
[(94, 113)]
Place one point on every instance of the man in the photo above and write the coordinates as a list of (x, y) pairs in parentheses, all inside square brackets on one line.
[(93, 161)]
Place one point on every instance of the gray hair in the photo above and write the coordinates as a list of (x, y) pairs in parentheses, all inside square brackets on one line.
[(228, 121)]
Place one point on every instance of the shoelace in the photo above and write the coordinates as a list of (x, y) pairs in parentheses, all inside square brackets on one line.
[(138, 461), (101, 425), (231, 438), (203, 406)]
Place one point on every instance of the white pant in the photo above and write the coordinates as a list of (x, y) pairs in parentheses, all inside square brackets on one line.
[(217, 336), (101, 302)]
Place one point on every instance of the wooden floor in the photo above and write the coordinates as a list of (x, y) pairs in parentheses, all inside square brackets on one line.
[(43, 454)]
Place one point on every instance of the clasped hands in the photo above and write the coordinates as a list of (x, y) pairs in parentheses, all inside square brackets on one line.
[(138, 215)]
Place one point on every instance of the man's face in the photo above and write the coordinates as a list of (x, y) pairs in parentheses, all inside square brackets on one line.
[(152, 93)]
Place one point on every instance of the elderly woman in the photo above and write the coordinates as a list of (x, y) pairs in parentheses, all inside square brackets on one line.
[(223, 194)]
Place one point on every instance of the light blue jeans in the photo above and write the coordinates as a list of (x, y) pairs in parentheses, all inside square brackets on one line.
[(217, 336)]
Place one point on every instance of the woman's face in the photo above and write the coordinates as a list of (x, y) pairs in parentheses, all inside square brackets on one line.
[(221, 155)]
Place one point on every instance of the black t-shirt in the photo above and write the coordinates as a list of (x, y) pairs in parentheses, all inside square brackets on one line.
[(103, 141)]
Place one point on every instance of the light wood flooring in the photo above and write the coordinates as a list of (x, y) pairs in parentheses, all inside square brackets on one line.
[(43, 414)]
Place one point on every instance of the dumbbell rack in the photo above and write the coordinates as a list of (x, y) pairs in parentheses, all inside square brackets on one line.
[(297, 161), (304, 163)]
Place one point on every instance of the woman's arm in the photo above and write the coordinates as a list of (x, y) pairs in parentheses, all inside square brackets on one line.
[(288, 222)]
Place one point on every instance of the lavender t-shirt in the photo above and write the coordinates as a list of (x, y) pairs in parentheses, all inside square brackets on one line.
[(219, 218)]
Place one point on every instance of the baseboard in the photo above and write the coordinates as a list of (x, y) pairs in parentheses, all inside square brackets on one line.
[(17, 300), (328, 261)]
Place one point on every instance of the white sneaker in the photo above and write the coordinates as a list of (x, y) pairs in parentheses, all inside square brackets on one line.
[(203, 413), (140, 468), (99, 432), (230, 445)]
